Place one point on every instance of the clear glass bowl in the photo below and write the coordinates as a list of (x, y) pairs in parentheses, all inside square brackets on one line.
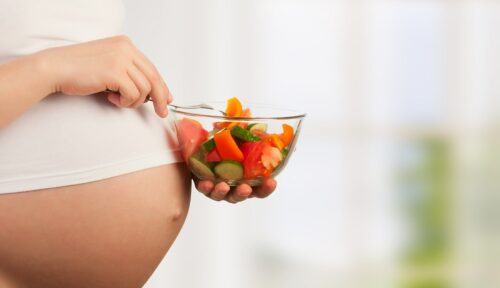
[(191, 142)]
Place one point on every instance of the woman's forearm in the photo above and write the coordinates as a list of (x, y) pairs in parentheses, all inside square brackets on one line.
[(23, 82)]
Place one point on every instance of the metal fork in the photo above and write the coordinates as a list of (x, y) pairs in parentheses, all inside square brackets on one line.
[(198, 106)]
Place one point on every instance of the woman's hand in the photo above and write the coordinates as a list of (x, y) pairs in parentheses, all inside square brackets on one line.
[(111, 64), (222, 191)]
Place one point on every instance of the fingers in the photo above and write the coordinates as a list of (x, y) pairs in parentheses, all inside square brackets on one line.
[(142, 84), (159, 91), (205, 187), (265, 189), (220, 191), (114, 98), (134, 77), (240, 193), (128, 91)]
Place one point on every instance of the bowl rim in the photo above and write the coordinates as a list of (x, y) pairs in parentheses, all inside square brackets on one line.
[(299, 115)]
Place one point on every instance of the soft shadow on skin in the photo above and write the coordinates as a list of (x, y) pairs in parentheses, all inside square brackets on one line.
[(5, 282)]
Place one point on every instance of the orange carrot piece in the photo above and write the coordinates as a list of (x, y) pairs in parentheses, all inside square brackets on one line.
[(232, 125), (275, 140), (287, 135), (227, 147), (234, 108)]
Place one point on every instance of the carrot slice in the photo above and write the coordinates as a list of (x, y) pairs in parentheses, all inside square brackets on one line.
[(234, 108), (227, 147), (275, 140), (287, 135)]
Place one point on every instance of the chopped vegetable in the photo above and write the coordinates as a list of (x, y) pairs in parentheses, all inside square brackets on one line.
[(284, 152), (234, 150), (200, 169), (246, 113), (244, 134), (234, 108), (209, 145), (275, 140), (191, 134), (227, 147), (287, 135), (252, 164), (213, 156), (229, 170), (271, 157), (257, 126)]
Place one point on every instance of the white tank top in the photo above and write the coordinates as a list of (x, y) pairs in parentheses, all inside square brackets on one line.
[(66, 140)]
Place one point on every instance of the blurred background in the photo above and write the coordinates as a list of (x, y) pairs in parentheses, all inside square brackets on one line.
[(396, 178)]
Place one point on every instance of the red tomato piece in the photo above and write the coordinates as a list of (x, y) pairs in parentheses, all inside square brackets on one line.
[(191, 135), (271, 157), (213, 156), (252, 163)]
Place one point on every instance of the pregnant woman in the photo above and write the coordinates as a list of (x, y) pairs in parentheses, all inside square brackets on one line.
[(92, 190)]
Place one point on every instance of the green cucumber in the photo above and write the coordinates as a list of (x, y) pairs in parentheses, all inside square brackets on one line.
[(244, 134), (229, 170), (257, 126), (200, 169), (208, 145), (284, 152)]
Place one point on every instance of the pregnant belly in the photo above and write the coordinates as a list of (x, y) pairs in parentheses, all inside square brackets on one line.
[(108, 233)]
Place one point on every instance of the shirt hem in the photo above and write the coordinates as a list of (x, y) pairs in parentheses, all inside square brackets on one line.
[(68, 178)]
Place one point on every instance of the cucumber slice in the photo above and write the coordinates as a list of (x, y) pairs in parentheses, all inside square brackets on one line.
[(200, 169), (257, 126), (209, 145), (229, 170), (244, 134)]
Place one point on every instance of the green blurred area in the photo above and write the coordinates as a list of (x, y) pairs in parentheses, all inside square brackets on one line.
[(425, 197)]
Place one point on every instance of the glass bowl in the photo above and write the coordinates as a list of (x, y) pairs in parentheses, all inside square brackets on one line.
[(252, 154)]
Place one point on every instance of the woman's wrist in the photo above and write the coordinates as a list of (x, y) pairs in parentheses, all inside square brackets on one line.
[(46, 72)]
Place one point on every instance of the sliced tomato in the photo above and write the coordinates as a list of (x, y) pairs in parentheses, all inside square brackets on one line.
[(248, 147), (191, 135), (213, 156), (260, 133), (252, 164), (271, 157), (246, 113)]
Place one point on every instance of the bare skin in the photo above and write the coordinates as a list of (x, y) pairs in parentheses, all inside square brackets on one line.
[(109, 233)]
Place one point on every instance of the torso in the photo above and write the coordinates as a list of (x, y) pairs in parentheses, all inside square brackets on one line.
[(102, 201), (68, 140)]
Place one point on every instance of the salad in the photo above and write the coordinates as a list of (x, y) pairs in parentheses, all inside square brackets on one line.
[(233, 151)]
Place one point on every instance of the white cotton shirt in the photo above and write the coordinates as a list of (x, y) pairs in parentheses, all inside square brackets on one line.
[(66, 140)]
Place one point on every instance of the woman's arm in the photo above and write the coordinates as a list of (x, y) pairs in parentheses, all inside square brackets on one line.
[(83, 69), (23, 82)]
